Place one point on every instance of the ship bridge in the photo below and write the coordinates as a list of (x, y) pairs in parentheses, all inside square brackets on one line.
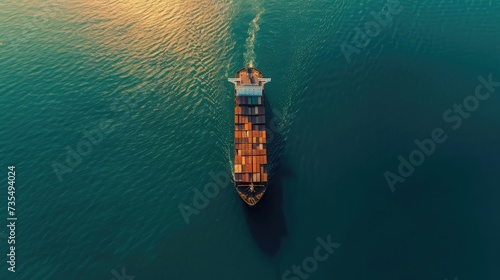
[(249, 82), (249, 90)]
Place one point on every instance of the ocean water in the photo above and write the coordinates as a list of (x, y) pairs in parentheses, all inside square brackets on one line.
[(118, 117)]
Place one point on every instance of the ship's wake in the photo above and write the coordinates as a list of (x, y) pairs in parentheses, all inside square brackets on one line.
[(254, 27), (227, 153)]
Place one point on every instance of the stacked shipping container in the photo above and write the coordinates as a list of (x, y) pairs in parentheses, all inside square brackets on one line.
[(250, 140)]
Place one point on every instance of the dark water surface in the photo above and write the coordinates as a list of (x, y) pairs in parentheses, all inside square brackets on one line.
[(148, 81)]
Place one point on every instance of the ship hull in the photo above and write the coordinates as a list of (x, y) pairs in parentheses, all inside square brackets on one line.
[(250, 151)]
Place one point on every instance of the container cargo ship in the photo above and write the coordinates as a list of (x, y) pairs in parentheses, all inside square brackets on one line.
[(250, 154)]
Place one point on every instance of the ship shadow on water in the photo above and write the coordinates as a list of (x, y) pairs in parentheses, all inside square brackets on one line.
[(266, 220)]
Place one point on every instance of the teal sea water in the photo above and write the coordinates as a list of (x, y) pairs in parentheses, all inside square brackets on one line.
[(146, 82)]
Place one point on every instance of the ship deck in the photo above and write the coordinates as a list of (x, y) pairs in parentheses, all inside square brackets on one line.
[(249, 78), (250, 139)]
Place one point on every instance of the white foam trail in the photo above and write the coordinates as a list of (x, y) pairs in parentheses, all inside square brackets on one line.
[(230, 160), (250, 43)]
